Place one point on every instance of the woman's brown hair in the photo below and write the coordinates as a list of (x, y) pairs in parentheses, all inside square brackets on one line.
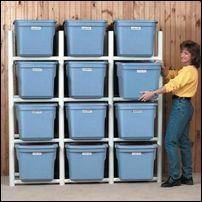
[(194, 49)]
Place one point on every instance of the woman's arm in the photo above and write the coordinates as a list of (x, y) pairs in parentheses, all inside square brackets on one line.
[(148, 95)]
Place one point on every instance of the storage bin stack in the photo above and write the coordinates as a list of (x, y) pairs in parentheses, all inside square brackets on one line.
[(135, 37), (86, 162), (36, 162), (136, 77), (136, 120), (86, 79), (35, 37), (36, 121), (135, 162), (85, 37), (36, 79), (86, 121)]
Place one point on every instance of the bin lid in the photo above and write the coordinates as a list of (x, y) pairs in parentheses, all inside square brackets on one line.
[(78, 23), (23, 64), (85, 147), (86, 64), (143, 106), (20, 106), (29, 23), (36, 147), (85, 106), (143, 23), (139, 65), (129, 146)]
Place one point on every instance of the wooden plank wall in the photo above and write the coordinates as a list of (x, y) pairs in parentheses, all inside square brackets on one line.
[(179, 20)]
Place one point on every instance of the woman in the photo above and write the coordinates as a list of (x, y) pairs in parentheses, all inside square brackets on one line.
[(183, 85)]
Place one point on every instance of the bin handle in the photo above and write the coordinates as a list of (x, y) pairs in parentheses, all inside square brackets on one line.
[(86, 28), (141, 71), (136, 28), (37, 111), (37, 69), (137, 111), (87, 111), (33, 28), (139, 151), (86, 153), (85, 69)]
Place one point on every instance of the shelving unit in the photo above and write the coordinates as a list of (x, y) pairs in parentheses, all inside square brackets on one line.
[(61, 99)]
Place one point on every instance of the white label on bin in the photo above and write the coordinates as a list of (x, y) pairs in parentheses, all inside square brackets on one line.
[(136, 153), (86, 153), (36, 112), (141, 71), (36, 153), (35, 28), (87, 69), (87, 111), (137, 111), (86, 28), (136, 28), (37, 69)]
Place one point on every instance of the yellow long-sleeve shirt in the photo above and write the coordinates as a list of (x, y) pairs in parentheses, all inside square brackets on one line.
[(183, 82)]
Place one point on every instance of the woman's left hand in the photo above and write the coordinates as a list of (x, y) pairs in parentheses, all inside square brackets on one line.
[(148, 95)]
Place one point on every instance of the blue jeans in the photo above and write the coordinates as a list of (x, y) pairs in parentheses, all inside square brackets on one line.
[(177, 137)]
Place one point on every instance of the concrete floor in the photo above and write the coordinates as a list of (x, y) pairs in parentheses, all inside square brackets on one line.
[(144, 191)]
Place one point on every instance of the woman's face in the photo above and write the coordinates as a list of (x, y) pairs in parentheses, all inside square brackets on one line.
[(185, 56)]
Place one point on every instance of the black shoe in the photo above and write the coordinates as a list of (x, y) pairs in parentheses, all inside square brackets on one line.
[(185, 180), (171, 182)]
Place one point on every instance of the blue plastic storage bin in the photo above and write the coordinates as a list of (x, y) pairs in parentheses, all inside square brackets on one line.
[(135, 78), (85, 37), (135, 162), (135, 120), (86, 121), (86, 79), (36, 121), (36, 79), (35, 37), (86, 162), (135, 37), (36, 162)]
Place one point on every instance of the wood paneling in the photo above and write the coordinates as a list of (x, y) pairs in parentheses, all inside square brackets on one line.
[(179, 20)]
